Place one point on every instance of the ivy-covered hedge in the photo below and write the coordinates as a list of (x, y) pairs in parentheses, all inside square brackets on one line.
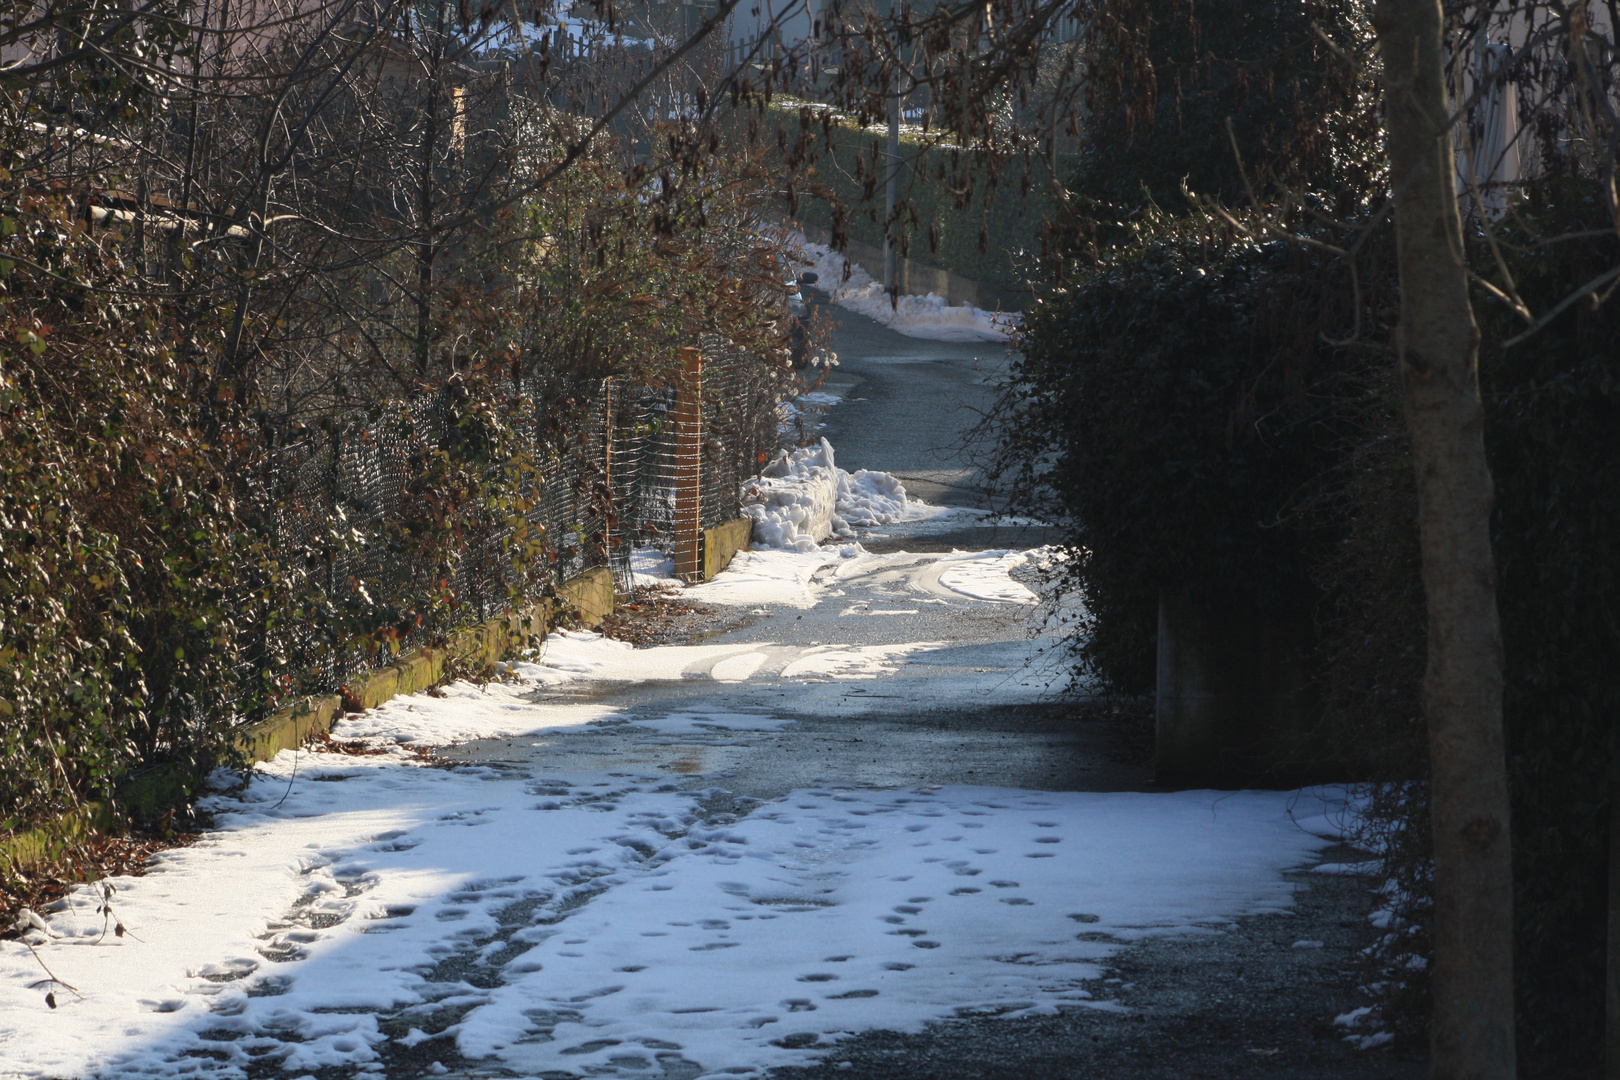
[(119, 550), (1181, 411), (1168, 409), (192, 533), (1553, 434)]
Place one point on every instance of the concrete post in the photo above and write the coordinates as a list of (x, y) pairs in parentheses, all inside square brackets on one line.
[(688, 467), (891, 195), (1234, 703)]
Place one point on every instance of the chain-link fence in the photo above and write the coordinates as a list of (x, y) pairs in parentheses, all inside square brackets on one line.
[(397, 530)]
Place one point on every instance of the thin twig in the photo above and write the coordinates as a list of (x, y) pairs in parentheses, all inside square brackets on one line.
[(1584, 291), (65, 985)]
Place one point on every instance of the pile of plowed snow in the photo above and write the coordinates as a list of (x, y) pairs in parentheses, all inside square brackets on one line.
[(803, 497)]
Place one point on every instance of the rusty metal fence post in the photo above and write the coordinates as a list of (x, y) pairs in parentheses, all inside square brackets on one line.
[(688, 467)]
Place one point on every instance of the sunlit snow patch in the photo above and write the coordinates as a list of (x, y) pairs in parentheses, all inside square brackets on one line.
[(762, 943), (575, 655), (461, 711), (984, 576), (768, 576), (852, 661), (321, 900), (340, 908)]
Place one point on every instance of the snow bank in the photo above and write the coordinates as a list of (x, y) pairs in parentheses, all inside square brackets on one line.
[(803, 497), (795, 499), (928, 317)]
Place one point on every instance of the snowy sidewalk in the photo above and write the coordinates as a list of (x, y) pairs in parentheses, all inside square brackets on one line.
[(370, 915)]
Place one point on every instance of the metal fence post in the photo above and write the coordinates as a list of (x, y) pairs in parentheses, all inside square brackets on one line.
[(608, 506), (688, 467)]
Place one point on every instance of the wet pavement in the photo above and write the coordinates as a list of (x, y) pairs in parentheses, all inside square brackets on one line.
[(976, 697)]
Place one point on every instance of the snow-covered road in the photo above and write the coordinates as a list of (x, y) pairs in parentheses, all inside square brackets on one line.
[(641, 867)]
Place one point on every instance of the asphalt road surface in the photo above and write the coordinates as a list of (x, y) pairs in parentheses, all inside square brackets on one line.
[(1242, 1003), (909, 408)]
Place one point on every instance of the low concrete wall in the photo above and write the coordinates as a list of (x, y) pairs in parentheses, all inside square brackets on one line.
[(586, 599), (1235, 704), (590, 596), (722, 542), (44, 843), (918, 278)]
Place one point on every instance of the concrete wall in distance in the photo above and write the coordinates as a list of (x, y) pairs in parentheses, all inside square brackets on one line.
[(917, 278)]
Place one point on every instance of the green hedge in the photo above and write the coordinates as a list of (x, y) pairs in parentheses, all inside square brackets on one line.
[(1180, 412), (1149, 413), (1553, 434)]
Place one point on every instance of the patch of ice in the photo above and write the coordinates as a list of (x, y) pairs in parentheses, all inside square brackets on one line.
[(984, 576), (710, 720)]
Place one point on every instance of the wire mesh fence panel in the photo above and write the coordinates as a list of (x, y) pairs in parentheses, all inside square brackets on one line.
[(385, 534), (741, 395)]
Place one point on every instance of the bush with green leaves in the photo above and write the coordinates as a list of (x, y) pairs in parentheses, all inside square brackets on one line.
[(1181, 410), (177, 552), (1553, 435), (1168, 409), (119, 551)]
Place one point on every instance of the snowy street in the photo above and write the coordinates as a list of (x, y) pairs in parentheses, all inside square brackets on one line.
[(856, 805)]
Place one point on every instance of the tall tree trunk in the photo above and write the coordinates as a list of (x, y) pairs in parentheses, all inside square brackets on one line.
[(1472, 1036)]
